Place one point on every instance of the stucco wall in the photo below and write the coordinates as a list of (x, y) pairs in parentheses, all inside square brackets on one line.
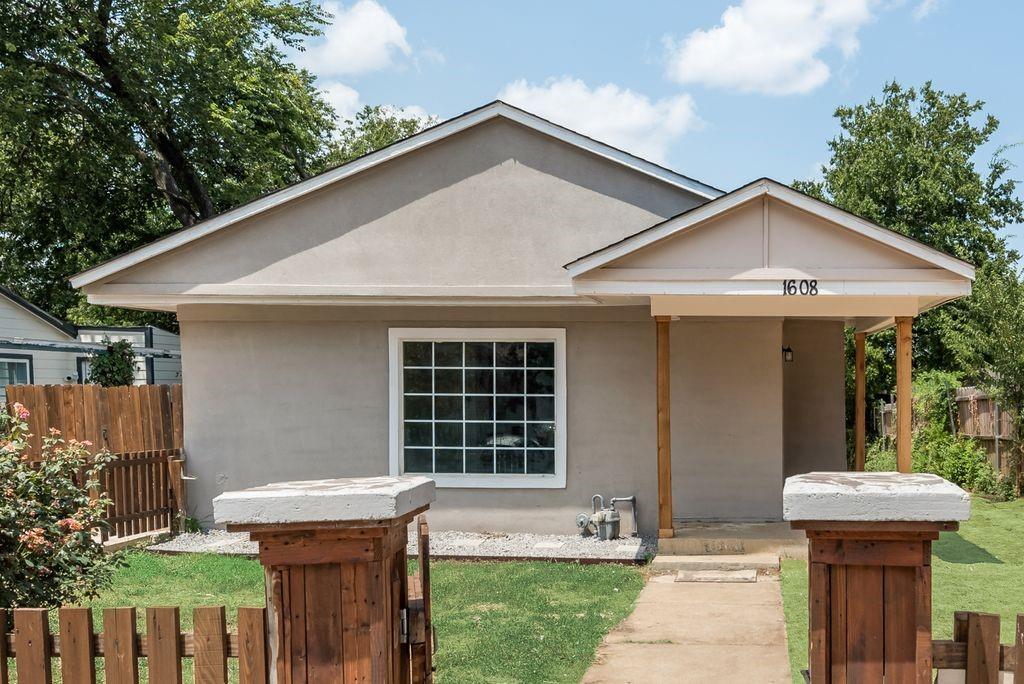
[(273, 400), (279, 393), (727, 441), (815, 398), (497, 205)]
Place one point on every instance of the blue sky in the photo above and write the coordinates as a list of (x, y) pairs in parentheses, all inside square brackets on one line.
[(724, 92)]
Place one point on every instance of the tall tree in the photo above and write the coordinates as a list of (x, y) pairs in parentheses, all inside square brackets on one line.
[(906, 160), (991, 339), (121, 120), (372, 128)]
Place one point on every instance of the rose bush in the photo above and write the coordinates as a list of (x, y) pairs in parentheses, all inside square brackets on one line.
[(50, 510)]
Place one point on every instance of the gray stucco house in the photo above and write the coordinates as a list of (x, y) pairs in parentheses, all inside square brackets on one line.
[(529, 316)]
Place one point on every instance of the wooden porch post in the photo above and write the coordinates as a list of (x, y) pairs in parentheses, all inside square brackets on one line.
[(904, 392), (665, 527), (860, 408)]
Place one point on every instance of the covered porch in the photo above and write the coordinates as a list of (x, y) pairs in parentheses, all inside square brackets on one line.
[(742, 289)]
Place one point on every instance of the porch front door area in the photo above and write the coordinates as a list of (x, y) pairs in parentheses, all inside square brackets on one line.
[(745, 414), (751, 293)]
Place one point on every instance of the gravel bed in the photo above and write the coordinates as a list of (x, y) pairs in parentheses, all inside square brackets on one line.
[(213, 541), (450, 544)]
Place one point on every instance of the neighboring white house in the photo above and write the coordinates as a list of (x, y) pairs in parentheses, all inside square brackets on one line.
[(22, 319), (27, 334), (530, 317)]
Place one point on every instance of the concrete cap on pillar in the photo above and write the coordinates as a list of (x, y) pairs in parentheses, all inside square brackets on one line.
[(874, 497), (339, 500)]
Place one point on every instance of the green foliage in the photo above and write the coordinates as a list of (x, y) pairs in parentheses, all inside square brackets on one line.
[(880, 457), (905, 160), (115, 366), (936, 446), (934, 398), (48, 554), (121, 120), (371, 129), (958, 459), (991, 338)]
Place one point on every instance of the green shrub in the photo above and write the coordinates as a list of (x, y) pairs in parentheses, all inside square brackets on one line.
[(958, 459), (880, 458), (48, 554), (114, 367)]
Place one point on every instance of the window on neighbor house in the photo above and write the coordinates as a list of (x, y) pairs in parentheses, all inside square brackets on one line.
[(14, 371), (481, 407)]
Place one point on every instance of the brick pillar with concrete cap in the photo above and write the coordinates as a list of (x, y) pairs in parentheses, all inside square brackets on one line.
[(869, 553), (334, 559)]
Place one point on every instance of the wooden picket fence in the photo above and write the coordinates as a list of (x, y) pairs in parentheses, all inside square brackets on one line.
[(146, 491), (164, 646), (975, 650), (119, 419)]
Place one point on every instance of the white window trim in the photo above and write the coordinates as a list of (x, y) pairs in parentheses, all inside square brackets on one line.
[(24, 360), (488, 481)]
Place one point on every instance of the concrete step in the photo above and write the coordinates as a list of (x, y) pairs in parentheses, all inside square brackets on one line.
[(694, 538), (762, 563), (717, 576)]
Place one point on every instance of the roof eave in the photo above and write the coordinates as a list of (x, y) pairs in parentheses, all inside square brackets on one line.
[(405, 146)]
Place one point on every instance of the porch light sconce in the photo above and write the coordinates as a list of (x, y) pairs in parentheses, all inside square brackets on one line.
[(787, 354)]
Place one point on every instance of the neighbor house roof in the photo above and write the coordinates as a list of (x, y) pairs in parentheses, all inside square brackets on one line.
[(770, 188), (419, 140), (48, 318)]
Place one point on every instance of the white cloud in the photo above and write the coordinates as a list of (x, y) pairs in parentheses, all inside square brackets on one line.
[(613, 115), (414, 112), (924, 8), (361, 38), (344, 99), (770, 46)]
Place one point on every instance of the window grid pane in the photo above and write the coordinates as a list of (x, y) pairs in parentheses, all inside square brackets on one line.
[(515, 440)]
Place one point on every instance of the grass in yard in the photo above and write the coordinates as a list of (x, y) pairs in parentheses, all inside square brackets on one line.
[(979, 568), (496, 622)]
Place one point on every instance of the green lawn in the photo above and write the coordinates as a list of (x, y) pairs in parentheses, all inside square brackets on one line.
[(496, 622), (979, 568)]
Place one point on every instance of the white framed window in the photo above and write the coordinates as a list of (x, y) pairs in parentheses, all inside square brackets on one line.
[(15, 369), (478, 407)]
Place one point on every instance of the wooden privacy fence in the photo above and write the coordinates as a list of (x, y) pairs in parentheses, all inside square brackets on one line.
[(120, 419), (146, 491), (77, 646), (975, 650), (972, 413)]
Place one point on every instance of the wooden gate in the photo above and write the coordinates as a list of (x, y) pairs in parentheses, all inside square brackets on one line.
[(146, 491), (421, 629)]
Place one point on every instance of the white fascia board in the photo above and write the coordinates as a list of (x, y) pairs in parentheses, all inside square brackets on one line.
[(417, 141), (771, 188), (172, 302), (761, 288)]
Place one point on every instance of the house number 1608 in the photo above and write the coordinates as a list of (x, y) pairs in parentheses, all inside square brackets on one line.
[(800, 287)]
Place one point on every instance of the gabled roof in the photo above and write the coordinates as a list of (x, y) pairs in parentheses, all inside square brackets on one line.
[(767, 187), (425, 137), (45, 317)]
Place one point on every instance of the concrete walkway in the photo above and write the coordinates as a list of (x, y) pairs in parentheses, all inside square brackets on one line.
[(698, 632)]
